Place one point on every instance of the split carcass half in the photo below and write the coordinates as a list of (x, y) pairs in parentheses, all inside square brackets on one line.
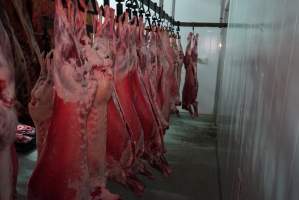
[(125, 62), (72, 153), (121, 157), (189, 101), (180, 65), (148, 109)]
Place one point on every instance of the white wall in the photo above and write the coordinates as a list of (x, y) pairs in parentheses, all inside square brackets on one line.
[(198, 10), (258, 119)]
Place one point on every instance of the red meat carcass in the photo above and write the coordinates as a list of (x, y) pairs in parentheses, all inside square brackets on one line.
[(71, 164), (189, 101), (153, 128), (124, 94), (120, 148), (180, 65)]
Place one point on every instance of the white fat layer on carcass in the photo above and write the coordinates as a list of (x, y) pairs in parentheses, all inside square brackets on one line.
[(70, 80), (85, 78), (103, 49), (80, 186), (66, 82), (41, 104), (74, 83), (126, 60), (189, 44), (97, 137), (101, 58), (180, 49)]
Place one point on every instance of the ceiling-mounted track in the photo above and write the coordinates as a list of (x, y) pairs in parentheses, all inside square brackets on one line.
[(201, 24)]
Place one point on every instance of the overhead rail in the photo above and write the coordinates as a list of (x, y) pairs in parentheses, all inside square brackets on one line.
[(201, 24)]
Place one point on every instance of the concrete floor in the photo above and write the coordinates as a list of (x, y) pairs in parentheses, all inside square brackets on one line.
[(191, 148)]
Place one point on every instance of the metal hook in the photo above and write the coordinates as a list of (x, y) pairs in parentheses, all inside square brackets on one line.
[(154, 17), (106, 3), (148, 12), (94, 6), (141, 9), (129, 5), (135, 6), (64, 3), (119, 7)]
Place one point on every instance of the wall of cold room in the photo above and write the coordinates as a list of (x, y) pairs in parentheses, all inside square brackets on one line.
[(259, 102), (200, 11)]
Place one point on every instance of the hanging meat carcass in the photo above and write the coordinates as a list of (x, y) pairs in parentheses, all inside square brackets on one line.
[(152, 125), (178, 61), (72, 152), (190, 89), (175, 89), (42, 101), (125, 64), (180, 65), (166, 80), (8, 120), (77, 84), (151, 77), (156, 74), (121, 157)]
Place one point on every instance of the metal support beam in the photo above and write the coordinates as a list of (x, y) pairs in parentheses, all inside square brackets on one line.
[(220, 67), (201, 24), (161, 4), (173, 9)]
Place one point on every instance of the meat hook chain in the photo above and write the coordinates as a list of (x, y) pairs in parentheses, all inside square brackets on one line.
[(94, 6), (129, 5), (178, 30), (119, 8), (141, 9), (152, 6), (148, 16), (154, 17), (135, 6), (161, 17), (106, 3)]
